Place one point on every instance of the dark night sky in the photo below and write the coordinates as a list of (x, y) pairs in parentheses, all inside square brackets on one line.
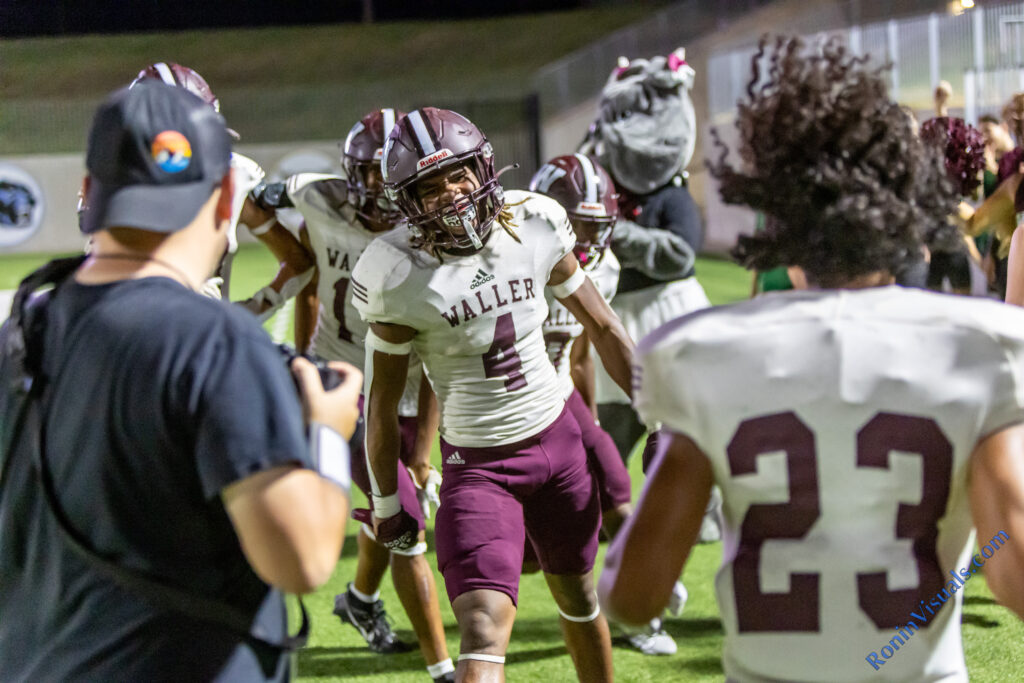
[(66, 17)]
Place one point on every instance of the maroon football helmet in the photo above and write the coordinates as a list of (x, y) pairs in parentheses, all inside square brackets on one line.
[(586, 192), (362, 151), (183, 77), (425, 141)]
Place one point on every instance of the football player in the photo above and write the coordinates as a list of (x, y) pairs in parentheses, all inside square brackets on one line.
[(463, 288), (859, 431), (586, 192), (343, 215), (296, 267)]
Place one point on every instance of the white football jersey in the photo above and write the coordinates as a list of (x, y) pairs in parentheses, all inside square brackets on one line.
[(839, 427), (246, 174), (561, 329), (478, 320), (338, 238)]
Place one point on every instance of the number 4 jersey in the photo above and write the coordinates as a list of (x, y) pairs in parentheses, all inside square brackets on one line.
[(478, 320), (839, 427)]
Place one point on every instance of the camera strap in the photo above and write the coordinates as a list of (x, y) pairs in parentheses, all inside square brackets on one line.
[(31, 420)]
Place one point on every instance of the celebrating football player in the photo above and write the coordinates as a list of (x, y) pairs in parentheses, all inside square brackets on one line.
[(342, 216), (586, 192), (463, 287), (859, 431)]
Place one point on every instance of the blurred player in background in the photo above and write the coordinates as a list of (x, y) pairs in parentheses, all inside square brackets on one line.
[(858, 430), (587, 194), (463, 287), (296, 267), (342, 215)]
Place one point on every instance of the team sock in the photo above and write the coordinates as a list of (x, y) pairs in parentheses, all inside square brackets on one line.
[(440, 668), (363, 597)]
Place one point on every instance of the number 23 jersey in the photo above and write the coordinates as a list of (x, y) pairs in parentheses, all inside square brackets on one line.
[(839, 426), (478, 321)]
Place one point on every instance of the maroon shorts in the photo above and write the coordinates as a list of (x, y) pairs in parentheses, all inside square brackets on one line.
[(613, 484), (492, 499), (406, 487)]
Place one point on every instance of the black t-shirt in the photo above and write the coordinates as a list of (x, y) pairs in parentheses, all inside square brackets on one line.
[(159, 399), (669, 208)]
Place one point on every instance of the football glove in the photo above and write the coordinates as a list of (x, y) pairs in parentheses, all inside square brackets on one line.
[(427, 494), (398, 532)]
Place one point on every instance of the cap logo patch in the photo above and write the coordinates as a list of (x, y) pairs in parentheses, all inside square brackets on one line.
[(590, 208), (433, 158), (171, 151)]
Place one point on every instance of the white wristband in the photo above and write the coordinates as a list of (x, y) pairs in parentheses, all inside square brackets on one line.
[(329, 451), (263, 228), (386, 506), (565, 289)]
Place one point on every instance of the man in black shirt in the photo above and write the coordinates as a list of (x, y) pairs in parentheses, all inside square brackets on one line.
[(172, 434)]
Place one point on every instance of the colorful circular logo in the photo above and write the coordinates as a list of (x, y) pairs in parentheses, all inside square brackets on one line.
[(171, 151), (22, 206)]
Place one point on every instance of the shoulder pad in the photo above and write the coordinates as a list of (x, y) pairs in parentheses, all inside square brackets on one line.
[(376, 279)]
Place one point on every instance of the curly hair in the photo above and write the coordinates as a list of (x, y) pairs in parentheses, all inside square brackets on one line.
[(847, 187)]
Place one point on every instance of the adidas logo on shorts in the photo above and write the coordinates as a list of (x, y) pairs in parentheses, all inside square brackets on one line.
[(455, 459), (480, 278)]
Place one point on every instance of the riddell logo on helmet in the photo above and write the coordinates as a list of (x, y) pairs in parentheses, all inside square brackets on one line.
[(433, 158), (590, 207)]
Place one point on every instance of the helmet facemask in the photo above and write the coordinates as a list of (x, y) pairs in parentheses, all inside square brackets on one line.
[(369, 199), (593, 236), (464, 224)]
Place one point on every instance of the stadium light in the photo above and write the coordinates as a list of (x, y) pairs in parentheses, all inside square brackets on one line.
[(966, 4)]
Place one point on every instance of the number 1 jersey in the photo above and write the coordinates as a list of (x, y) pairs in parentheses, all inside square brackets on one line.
[(338, 239), (839, 426), (478, 321)]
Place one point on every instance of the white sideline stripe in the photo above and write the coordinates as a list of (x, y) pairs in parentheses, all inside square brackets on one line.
[(6, 299)]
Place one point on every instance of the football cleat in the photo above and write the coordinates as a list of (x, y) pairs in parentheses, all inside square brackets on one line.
[(677, 602), (651, 639), (372, 622), (711, 525)]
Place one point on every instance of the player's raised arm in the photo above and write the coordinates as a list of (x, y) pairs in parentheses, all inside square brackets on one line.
[(387, 363), (648, 554), (997, 506), (577, 293), (296, 263)]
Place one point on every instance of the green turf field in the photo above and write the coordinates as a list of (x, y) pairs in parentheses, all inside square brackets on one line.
[(993, 637)]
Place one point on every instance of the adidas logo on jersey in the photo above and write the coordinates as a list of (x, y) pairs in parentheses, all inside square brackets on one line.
[(455, 459), (480, 278)]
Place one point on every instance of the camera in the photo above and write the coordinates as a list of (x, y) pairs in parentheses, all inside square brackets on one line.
[(329, 377)]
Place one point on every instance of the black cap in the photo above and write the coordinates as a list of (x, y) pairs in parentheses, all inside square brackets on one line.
[(156, 153)]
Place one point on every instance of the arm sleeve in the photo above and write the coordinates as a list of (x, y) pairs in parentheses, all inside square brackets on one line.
[(373, 277), (248, 417), (1007, 395), (658, 375)]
